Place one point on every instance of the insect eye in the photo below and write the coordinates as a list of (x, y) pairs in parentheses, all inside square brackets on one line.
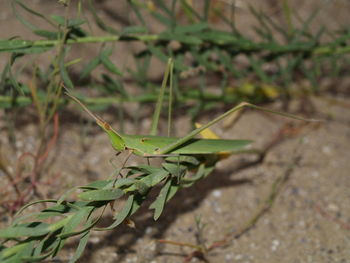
[(144, 139)]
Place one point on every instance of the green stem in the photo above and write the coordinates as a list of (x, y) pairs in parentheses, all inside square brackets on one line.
[(18, 44), (23, 100), (243, 46), (158, 108)]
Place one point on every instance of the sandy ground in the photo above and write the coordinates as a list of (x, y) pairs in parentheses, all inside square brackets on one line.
[(309, 220)]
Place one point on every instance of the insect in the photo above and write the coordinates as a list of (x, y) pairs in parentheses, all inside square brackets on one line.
[(150, 146), (154, 146)]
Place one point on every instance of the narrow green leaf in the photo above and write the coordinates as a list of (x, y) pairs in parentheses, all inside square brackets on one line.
[(134, 30), (161, 5), (163, 19), (76, 219), (17, 251), (20, 18), (44, 249), (100, 23), (32, 50), (147, 169), (62, 208), (108, 63), (71, 225), (120, 216), (76, 22), (203, 59), (157, 52), (228, 62), (59, 224), (123, 214), (115, 85), (9, 45), (179, 65), (141, 187), (186, 39), (47, 34), (81, 247), (217, 36), (122, 182), (263, 29), (101, 195), (67, 193), (155, 178), (29, 10), (190, 11), (305, 25), (256, 65), (97, 184), (64, 75), (199, 174), (173, 189), (33, 229), (45, 215), (175, 169), (191, 28), (89, 67), (33, 203), (138, 200), (158, 204), (309, 74), (60, 20)]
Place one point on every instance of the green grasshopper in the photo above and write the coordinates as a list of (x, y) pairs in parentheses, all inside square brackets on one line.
[(153, 146)]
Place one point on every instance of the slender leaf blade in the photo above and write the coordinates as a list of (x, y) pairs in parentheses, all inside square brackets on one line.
[(158, 204), (101, 195)]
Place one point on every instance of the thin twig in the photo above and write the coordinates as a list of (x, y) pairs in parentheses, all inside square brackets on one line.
[(331, 217)]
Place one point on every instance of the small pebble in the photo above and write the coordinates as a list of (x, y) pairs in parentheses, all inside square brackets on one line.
[(131, 260), (229, 257), (217, 209), (315, 174), (326, 150), (152, 246), (19, 144), (217, 193), (149, 230), (275, 244), (94, 240), (333, 208)]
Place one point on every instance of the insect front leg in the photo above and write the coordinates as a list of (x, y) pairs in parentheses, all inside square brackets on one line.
[(130, 152)]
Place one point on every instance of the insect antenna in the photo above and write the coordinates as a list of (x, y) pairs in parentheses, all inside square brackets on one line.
[(99, 120)]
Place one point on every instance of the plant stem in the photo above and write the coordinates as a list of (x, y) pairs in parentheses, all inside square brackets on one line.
[(243, 46)]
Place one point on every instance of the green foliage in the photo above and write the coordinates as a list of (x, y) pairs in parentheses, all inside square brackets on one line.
[(197, 47), (45, 232)]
